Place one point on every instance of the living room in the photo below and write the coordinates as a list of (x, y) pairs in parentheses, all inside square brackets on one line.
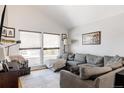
[(61, 46)]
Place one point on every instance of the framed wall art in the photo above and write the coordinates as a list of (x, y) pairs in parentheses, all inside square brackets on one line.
[(8, 32), (93, 38)]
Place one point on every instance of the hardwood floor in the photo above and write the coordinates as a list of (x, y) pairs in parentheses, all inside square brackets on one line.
[(40, 79)]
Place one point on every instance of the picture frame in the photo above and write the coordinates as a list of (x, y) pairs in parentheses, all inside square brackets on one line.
[(93, 38), (4, 32), (8, 32)]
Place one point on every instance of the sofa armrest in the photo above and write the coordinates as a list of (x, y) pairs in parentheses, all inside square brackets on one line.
[(107, 80), (70, 80)]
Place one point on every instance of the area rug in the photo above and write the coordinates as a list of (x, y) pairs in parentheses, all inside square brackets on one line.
[(40, 79)]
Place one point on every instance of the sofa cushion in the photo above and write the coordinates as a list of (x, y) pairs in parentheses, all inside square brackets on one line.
[(87, 72), (95, 60), (80, 58), (114, 65), (74, 63), (107, 59), (111, 59)]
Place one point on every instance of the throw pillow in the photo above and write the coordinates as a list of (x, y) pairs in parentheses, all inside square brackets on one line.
[(71, 57), (87, 72)]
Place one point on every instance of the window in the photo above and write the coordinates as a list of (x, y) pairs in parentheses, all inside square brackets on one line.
[(51, 46), (30, 47), (30, 40)]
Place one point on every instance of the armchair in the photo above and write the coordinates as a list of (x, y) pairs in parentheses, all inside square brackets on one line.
[(22, 64)]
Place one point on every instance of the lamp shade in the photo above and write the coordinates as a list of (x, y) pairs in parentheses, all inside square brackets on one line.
[(65, 41), (2, 53)]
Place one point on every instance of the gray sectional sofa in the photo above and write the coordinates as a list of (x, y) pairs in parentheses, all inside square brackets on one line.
[(85, 59), (108, 66)]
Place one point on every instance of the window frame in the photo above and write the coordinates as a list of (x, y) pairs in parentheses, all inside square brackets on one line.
[(42, 43)]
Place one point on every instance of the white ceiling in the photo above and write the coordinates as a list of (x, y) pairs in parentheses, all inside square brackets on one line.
[(72, 16)]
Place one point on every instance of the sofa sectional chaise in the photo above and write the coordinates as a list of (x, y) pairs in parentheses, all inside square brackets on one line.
[(104, 80)]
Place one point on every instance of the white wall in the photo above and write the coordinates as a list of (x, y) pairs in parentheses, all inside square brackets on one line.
[(30, 18), (112, 37), (1, 10)]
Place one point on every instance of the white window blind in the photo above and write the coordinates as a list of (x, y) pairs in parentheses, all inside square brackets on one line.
[(51, 41), (30, 40)]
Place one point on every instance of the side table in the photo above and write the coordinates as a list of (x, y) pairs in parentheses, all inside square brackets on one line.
[(9, 79), (119, 79)]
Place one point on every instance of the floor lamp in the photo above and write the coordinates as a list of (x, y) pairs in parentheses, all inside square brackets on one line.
[(16, 43), (64, 39), (65, 43)]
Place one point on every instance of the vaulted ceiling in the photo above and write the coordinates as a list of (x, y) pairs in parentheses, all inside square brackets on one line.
[(72, 16)]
